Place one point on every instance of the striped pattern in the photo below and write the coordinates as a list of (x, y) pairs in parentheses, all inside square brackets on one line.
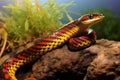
[(58, 38), (51, 42), (82, 42)]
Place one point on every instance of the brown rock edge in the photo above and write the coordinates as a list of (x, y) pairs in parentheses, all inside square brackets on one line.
[(98, 62)]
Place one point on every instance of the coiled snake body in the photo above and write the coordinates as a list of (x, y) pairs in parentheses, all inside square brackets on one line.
[(58, 38)]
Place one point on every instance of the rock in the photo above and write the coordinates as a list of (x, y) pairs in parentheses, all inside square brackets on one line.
[(98, 62), (62, 64), (106, 66)]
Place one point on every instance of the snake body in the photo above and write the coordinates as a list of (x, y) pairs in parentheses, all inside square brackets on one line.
[(65, 34)]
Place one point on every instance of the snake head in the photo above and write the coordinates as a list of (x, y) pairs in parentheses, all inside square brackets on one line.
[(90, 19)]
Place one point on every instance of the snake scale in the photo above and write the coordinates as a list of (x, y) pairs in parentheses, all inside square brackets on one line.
[(68, 33)]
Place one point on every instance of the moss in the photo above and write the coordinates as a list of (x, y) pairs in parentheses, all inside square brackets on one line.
[(28, 19)]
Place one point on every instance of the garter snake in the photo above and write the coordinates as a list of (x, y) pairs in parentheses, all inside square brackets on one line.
[(79, 27)]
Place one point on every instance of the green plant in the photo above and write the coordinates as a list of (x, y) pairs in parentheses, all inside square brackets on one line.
[(28, 19)]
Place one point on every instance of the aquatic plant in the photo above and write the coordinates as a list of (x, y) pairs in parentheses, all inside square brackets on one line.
[(28, 19), (3, 35)]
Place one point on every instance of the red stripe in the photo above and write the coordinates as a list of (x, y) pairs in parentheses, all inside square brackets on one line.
[(26, 54), (85, 17), (5, 70), (31, 49), (38, 47), (71, 25), (78, 40), (55, 37), (43, 43), (10, 62), (15, 59), (72, 41), (6, 65), (7, 76), (84, 38), (59, 34), (63, 30), (21, 57), (48, 39)]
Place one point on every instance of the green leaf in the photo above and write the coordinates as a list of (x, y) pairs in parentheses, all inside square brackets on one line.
[(26, 25), (69, 17)]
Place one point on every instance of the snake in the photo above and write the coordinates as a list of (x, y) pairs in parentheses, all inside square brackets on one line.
[(77, 34)]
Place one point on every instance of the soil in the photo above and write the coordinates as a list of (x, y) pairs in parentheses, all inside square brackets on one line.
[(98, 62)]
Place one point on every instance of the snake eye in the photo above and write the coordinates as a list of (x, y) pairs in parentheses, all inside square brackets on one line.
[(91, 16)]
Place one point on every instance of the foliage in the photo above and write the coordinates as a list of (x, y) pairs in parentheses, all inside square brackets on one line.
[(28, 19), (3, 35), (109, 27)]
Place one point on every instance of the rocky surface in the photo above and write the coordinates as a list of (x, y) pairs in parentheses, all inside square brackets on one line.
[(106, 66), (98, 62)]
